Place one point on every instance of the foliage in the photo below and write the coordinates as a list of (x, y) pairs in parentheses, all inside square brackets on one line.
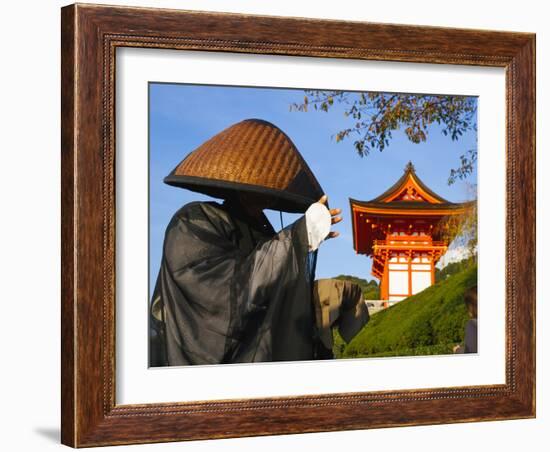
[(374, 116), (430, 322), (461, 229), (373, 294), (467, 165), (452, 269), (370, 289), (424, 350), (338, 344)]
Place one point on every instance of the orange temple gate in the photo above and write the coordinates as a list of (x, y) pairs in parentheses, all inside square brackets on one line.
[(403, 232)]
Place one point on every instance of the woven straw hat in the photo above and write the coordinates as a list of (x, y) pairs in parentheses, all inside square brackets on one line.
[(252, 156)]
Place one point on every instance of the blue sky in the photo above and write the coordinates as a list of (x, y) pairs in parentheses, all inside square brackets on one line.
[(184, 116)]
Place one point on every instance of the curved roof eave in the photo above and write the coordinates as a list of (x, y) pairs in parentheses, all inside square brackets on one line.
[(409, 172)]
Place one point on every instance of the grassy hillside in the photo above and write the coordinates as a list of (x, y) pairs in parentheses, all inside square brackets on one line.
[(430, 322)]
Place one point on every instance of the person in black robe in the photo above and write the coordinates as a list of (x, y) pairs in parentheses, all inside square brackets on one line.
[(232, 290)]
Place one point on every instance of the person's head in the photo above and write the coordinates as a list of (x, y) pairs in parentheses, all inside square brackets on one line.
[(470, 298), (251, 203), (254, 201)]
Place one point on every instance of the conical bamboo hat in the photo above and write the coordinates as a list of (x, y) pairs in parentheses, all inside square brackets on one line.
[(251, 156)]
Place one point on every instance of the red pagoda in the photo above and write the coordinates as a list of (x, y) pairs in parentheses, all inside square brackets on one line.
[(403, 232)]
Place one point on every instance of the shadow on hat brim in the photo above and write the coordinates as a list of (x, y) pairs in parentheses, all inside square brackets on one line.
[(277, 199)]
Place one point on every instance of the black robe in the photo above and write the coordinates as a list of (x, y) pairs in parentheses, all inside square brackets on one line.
[(231, 290)]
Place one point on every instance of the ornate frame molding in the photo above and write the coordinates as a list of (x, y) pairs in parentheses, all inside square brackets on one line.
[(90, 36)]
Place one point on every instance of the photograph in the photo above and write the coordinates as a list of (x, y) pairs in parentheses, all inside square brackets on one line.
[(292, 224)]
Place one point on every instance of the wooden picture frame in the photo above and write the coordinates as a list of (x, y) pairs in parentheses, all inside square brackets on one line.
[(90, 36)]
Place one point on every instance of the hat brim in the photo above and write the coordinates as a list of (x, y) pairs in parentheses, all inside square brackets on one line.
[(278, 199)]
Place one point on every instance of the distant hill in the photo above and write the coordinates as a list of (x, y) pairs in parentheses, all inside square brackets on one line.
[(371, 290), (430, 322)]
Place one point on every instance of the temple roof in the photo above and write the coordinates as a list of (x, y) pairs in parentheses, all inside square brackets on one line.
[(408, 193), (408, 207), (407, 202)]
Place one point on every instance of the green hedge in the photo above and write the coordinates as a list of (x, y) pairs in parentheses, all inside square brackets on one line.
[(430, 322)]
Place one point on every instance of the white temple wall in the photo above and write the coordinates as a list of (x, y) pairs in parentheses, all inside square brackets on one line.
[(420, 281), (398, 275), (398, 283)]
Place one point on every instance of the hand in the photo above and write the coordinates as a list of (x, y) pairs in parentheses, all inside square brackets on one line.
[(334, 218)]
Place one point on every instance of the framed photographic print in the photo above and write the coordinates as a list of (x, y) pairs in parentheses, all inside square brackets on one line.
[(267, 218)]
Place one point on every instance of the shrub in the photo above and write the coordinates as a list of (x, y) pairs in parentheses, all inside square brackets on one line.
[(430, 322)]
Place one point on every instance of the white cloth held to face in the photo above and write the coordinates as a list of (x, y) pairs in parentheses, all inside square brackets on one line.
[(318, 222)]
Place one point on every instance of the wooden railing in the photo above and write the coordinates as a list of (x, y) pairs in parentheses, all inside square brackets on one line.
[(418, 241)]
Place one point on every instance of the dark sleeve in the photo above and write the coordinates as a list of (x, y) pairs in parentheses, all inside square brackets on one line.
[(157, 333), (224, 306)]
